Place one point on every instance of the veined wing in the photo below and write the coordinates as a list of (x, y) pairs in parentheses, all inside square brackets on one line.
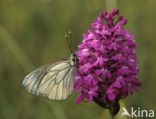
[(55, 81)]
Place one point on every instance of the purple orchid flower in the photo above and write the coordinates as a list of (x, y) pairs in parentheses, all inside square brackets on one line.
[(107, 61)]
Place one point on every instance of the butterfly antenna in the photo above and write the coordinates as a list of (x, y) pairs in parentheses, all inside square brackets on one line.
[(68, 38)]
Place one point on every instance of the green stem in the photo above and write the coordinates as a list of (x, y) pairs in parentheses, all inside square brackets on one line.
[(111, 112), (112, 117)]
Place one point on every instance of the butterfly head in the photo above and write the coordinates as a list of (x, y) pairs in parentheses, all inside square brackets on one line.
[(74, 58)]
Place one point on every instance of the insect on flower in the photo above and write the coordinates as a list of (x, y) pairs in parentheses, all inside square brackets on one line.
[(54, 81)]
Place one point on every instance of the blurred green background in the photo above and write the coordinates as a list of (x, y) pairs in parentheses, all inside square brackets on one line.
[(32, 34)]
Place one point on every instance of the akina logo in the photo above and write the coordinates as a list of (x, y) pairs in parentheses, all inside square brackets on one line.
[(138, 112)]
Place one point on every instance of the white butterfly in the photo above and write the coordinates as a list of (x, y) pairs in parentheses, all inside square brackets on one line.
[(55, 81)]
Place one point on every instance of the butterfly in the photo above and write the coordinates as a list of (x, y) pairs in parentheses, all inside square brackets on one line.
[(54, 81)]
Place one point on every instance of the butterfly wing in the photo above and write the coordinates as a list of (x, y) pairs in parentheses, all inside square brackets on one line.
[(55, 81)]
